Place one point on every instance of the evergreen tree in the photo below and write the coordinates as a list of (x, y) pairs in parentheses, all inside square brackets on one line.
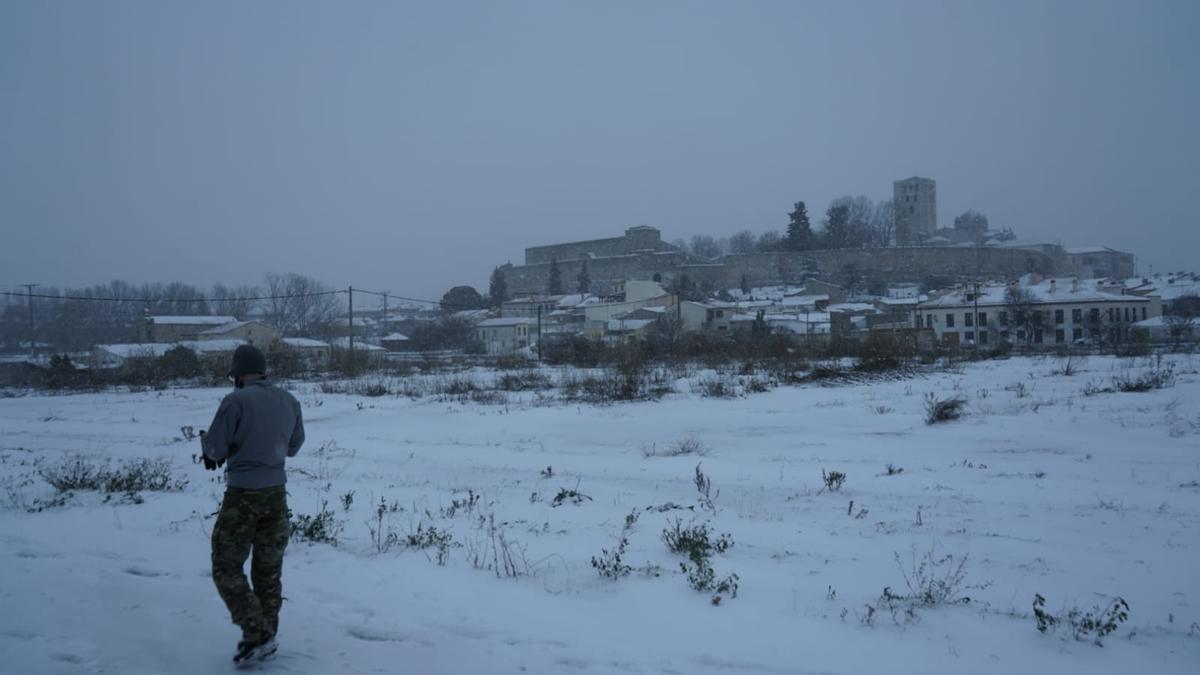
[(585, 280), (461, 298), (837, 227), (555, 287), (745, 285), (497, 288), (799, 231)]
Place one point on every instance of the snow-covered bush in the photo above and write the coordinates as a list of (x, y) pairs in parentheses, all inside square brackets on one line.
[(833, 480), (139, 475), (943, 409), (932, 581), (609, 564), (322, 528), (689, 445), (1091, 625), (694, 542), (431, 537)]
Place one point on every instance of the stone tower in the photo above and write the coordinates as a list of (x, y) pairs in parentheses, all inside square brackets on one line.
[(915, 201)]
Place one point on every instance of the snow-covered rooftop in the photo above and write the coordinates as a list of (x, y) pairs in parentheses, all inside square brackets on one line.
[(1049, 291), (225, 328), (181, 320), (507, 321), (395, 337), (303, 343)]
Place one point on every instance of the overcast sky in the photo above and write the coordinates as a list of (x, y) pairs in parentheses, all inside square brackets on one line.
[(414, 146)]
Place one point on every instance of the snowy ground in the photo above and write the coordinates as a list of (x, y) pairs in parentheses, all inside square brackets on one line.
[(1079, 498)]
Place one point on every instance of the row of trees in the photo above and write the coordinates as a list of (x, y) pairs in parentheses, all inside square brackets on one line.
[(849, 222), (79, 318)]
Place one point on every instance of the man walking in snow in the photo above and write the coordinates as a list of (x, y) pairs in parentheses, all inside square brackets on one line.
[(256, 428)]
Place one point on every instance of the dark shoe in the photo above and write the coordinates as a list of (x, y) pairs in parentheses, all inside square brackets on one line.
[(253, 651)]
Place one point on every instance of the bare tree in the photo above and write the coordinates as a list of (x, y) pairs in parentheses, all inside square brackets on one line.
[(1019, 302), (234, 300), (705, 246), (769, 241), (1180, 328), (742, 242), (859, 211), (299, 305), (883, 223)]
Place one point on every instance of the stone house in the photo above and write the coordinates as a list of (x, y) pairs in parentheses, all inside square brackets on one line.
[(507, 336), (178, 328), (253, 332)]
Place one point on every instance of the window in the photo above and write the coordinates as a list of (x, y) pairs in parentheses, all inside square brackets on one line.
[(1110, 313), (949, 320), (1003, 318), (1077, 316), (983, 318), (929, 321), (1143, 314), (968, 320), (1077, 334), (970, 335), (1095, 314), (1060, 336), (1058, 316), (1037, 336), (1126, 313), (982, 337)]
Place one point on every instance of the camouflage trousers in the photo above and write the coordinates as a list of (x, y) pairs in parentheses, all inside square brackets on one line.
[(251, 520)]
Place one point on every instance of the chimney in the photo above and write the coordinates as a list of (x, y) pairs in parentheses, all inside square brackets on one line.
[(1075, 285), (1053, 285)]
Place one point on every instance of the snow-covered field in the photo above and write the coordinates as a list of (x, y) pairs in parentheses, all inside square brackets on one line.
[(1045, 490)]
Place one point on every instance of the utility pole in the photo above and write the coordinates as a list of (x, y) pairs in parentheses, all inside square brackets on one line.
[(539, 333), (385, 314), (32, 334), (351, 326)]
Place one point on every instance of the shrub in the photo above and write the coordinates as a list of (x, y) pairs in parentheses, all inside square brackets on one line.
[(1159, 378), (179, 363), (933, 581), (716, 386), (943, 410), (574, 496), (431, 537), (694, 541), (609, 564), (702, 577), (1091, 625), (322, 528), (688, 445), (523, 380), (833, 480), (148, 475)]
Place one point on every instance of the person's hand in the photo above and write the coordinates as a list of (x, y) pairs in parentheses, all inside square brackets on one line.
[(210, 464)]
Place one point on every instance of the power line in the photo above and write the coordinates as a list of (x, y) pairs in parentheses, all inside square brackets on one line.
[(85, 298)]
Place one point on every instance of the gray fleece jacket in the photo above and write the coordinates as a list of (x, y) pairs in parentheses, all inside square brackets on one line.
[(255, 429)]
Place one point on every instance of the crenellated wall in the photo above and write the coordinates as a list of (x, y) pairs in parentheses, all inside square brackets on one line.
[(898, 264)]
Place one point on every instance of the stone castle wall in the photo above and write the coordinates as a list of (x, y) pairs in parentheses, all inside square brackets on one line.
[(899, 264), (641, 238)]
